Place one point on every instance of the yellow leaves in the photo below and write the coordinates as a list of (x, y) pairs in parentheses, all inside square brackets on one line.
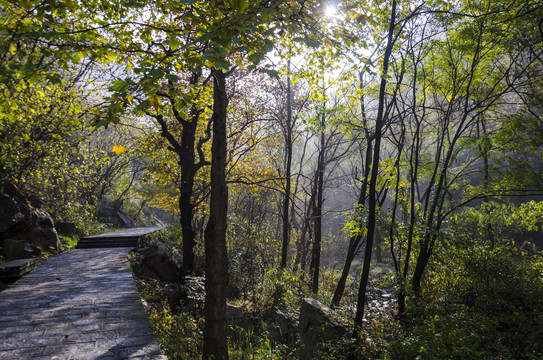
[(12, 49), (354, 16), (119, 149), (154, 101)]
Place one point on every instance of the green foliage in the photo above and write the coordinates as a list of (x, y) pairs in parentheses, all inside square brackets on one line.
[(517, 153), (254, 277), (449, 73), (179, 335), (48, 150), (170, 234), (175, 313), (245, 344), (41, 40), (81, 213), (40, 124), (42, 134), (480, 304), (68, 242), (252, 251), (496, 222)]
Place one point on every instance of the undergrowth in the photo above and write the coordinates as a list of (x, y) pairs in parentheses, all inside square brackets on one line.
[(478, 303)]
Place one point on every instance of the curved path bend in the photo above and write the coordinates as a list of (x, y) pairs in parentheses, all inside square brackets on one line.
[(81, 304)]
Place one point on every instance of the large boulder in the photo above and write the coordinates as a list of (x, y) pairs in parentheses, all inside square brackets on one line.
[(316, 327), (66, 228), (14, 207), (37, 228), (16, 249), (159, 261), (239, 321), (279, 327), (23, 224)]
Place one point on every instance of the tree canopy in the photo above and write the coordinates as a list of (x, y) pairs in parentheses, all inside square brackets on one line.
[(292, 145)]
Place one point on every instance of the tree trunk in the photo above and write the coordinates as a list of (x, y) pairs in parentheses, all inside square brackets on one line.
[(317, 217), (300, 244), (340, 288), (372, 208), (301, 241), (189, 167), (310, 214), (286, 199), (354, 241), (216, 260), (422, 262), (372, 203), (186, 207)]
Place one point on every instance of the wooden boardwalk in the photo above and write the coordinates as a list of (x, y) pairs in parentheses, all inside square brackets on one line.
[(82, 304)]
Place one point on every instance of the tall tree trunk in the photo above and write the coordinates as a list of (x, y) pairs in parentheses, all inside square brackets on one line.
[(484, 148), (300, 245), (413, 181), (372, 203), (216, 260), (286, 199), (188, 172), (422, 262), (301, 241), (309, 215), (434, 217), (354, 241), (317, 214), (186, 153), (414, 164)]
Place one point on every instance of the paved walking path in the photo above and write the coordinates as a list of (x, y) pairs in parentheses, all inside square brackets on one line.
[(81, 304), (139, 231)]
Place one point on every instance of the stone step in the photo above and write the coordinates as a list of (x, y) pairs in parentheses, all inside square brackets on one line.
[(122, 238), (17, 268), (107, 242)]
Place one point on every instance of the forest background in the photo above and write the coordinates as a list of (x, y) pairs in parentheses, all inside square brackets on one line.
[(302, 148)]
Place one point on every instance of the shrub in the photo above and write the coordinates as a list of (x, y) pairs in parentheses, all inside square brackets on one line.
[(481, 303)]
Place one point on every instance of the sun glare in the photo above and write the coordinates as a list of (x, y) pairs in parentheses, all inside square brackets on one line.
[(330, 11)]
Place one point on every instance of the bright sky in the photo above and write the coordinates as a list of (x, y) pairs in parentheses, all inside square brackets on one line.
[(331, 11)]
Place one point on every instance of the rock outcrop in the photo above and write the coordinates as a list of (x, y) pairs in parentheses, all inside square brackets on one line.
[(66, 228), (239, 318), (37, 228), (14, 207), (279, 327), (21, 225), (316, 327), (159, 261), (16, 249)]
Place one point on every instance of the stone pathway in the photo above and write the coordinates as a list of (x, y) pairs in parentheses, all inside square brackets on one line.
[(139, 231), (81, 304)]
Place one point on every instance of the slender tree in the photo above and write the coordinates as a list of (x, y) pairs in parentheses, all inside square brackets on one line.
[(288, 168), (372, 203)]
